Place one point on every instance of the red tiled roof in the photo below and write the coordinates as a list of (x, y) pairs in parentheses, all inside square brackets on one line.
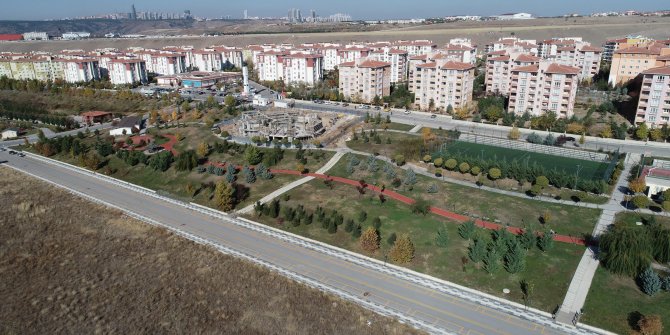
[(527, 58), (569, 48), (460, 66), (347, 64), (419, 57), (500, 58), (564, 69), (397, 51), (640, 50), (664, 70), (373, 64), (588, 48), (663, 57), (527, 68), (427, 65), (126, 60), (457, 47), (497, 53)]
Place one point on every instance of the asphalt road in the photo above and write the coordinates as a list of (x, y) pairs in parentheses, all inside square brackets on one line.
[(421, 118), (450, 313)]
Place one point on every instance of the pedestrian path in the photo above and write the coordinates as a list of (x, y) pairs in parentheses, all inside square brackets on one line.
[(580, 285), (416, 128), (294, 184)]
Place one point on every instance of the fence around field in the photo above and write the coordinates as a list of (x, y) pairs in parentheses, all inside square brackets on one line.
[(538, 148)]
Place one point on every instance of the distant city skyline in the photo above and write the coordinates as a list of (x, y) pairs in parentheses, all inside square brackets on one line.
[(371, 9)]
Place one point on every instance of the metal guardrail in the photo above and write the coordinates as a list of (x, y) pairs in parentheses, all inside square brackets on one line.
[(505, 306)]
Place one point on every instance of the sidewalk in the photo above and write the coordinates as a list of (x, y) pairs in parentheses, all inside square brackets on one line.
[(290, 186), (581, 281)]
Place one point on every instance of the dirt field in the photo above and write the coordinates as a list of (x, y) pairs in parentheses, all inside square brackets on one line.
[(594, 30), (69, 266)]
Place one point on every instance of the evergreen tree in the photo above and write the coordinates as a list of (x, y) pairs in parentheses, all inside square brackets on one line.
[(649, 281), (410, 177), (230, 173), (332, 227), (356, 232), (391, 239), (492, 260), (527, 240), (546, 241), (349, 226), (362, 216), (442, 238), (467, 229), (377, 223), (250, 175), (252, 155), (477, 250), (515, 260), (274, 209)]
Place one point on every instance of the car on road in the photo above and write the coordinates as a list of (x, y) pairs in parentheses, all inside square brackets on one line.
[(377, 108), (12, 152), (345, 104), (407, 111), (3, 149), (21, 154), (365, 106), (432, 116)]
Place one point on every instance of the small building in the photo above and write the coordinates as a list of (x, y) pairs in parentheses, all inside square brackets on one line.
[(127, 126), (657, 177), (515, 16), (35, 36), (96, 117), (10, 133), (76, 35), (11, 37)]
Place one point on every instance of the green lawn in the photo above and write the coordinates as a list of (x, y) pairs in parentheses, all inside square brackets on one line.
[(614, 300), (447, 263), (632, 218), (514, 211), (400, 126)]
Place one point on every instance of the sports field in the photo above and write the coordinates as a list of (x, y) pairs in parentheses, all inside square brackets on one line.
[(585, 169)]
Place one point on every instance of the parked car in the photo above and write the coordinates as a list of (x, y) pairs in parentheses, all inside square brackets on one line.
[(345, 104), (12, 152), (563, 139), (432, 116), (407, 111), (377, 108)]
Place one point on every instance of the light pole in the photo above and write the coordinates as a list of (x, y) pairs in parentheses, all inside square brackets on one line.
[(579, 167)]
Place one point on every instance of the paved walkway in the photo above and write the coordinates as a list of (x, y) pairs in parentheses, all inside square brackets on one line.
[(294, 184), (416, 128), (581, 281)]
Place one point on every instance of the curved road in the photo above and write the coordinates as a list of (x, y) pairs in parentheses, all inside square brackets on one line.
[(446, 313)]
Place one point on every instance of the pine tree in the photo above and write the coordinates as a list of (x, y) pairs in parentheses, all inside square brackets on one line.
[(377, 223), (349, 226), (224, 196), (362, 216), (410, 177), (492, 260), (546, 241), (442, 238), (332, 227), (515, 260), (274, 209), (649, 281), (356, 232), (370, 240), (402, 250), (477, 250), (230, 173), (527, 240), (307, 219), (467, 229)]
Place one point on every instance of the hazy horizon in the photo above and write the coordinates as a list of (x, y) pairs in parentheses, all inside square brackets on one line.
[(371, 9)]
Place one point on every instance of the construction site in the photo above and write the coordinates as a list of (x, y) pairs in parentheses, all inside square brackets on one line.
[(290, 125)]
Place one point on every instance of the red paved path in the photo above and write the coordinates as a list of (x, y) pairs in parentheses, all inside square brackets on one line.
[(409, 201)]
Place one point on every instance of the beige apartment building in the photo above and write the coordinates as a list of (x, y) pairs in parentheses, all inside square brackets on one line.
[(363, 79), (398, 60), (499, 66), (443, 83), (629, 62), (653, 108), (543, 87)]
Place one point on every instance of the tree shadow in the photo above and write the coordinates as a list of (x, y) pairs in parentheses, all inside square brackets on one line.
[(633, 319)]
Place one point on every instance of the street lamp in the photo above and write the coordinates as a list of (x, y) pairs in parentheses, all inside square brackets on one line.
[(579, 167)]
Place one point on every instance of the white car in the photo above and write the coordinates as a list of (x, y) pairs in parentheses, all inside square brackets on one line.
[(407, 111)]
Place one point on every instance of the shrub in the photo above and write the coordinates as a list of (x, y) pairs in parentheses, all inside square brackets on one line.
[(464, 167), (534, 138), (649, 281), (475, 170), (494, 173), (438, 173), (400, 160), (438, 162), (450, 164), (427, 158), (640, 201), (542, 181)]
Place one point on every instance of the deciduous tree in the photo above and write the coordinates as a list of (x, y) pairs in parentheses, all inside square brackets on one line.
[(224, 196), (370, 240), (402, 250)]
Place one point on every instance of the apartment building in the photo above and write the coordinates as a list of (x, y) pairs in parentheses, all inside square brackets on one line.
[(330, 55), (163, 62), (443, 83), (499, 66), (543, 87), (628, 63), (513, 44), (398, 60), (27, 67), (230, 55), (549, 48), (292, 68), (352, 53), (417, 47), (302, 68), (207, 60), (460, 52), (127, 71), (583, 56), (186, 50), (78, 70), (653, 108), (613, 45), (364, 79)]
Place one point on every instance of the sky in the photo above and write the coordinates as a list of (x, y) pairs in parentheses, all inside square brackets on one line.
[(365, 9)]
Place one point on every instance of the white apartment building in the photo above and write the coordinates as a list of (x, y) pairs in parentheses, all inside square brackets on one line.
[(513, 44), (417, 47), (292, 68), (499, 66), (653, 108), (41, 67), (207, 60), (460, 52), (302, 68), (585, 57), (127, 71), (187, 50), (362, 80), (35, 36), (443, 83), (543, 87), (329, 53), (352, 53), (549, 48), (80, 70), (163, 62), (230, 55), (398, 60)]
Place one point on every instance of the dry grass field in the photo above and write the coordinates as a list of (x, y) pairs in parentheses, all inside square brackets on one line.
[(68, 266), (594, 30)]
